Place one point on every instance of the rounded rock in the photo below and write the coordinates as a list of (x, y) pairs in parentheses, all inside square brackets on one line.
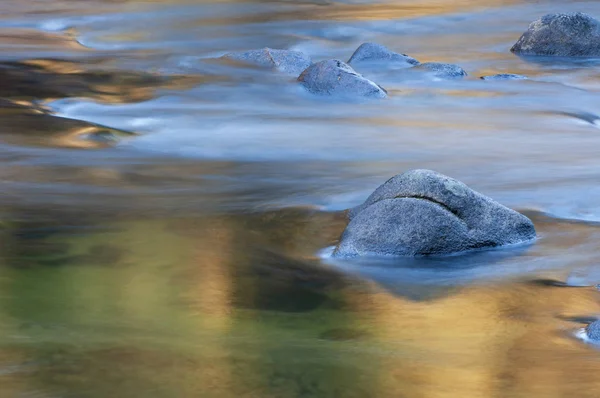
[(335, 78), (592, 331), (561, 35), (373, 53), (396, 227), (422, 212), (442, 70)]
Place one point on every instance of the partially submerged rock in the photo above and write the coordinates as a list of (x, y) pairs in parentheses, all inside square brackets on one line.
[(422, 212), (334, 77), (283, 60), (441, 70), (592, 331), (584, 277), (504, 76), (376, 54), (562, 35)]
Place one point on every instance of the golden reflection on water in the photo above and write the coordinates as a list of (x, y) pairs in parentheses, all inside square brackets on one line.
[(29, 84), (239, 306), (50, 79), (28, 40), (410, 9), (362, 11), (485, 340), (188, 307)]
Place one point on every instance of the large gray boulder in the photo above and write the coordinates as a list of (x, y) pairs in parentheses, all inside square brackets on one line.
[(336, 78), (287, 61), (562, 35), (422, 212), (378, 55)]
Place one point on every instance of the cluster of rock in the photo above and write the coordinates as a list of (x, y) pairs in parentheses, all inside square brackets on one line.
[(565, 35), (421, 212), (338, 78)]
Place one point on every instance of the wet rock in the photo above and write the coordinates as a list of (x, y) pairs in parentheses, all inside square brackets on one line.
[(287, 61), (376, 54), (334, 77), (422, 212), (504, 76), (562, 35), (443, 71), (593, 331)]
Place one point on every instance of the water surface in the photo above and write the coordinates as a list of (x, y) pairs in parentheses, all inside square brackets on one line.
[(163, 216)]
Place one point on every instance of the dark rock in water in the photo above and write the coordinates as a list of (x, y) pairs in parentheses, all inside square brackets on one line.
[(283, 60), (422, 212), (334, 77), (593, 331), (372, 53), (561, 35), (504, 76), (444, 71)]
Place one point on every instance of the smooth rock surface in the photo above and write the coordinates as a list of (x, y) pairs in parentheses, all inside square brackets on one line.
[(562, 35), (377, 54), (422, 212), (593, 331), (504, 76), (293, 62), (441, 70), (334, 77)]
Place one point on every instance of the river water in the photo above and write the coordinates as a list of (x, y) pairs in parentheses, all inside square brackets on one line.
[(163, 216)]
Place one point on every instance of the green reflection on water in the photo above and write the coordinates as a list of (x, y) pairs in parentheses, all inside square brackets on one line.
[(230, 306), (146, 310)]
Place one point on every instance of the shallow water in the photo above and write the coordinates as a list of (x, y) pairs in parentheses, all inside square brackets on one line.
[(165, 218)]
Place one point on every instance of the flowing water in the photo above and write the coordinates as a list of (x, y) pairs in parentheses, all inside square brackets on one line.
[(163, 216)]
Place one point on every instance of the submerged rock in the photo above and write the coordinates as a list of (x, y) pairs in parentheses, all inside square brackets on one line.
[(584, 277), (283, 60), (593, 331), (422, 212), (562, 35), (334, 77), (373, 53), (441, 70), (504, 76)]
